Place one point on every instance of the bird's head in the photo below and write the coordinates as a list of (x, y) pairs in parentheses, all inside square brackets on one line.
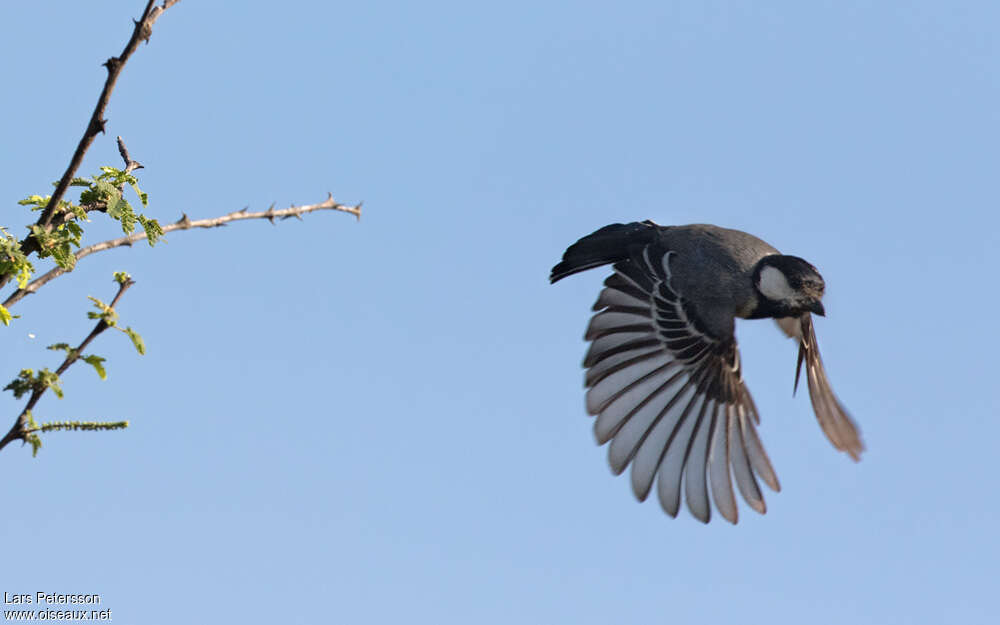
[(788, 286)]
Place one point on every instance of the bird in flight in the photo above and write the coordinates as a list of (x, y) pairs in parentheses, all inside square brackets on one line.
[(663, 373)]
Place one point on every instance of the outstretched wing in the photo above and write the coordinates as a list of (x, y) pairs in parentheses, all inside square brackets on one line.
[(670, 396)]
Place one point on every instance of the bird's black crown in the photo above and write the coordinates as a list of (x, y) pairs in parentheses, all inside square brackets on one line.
[(788, 286)]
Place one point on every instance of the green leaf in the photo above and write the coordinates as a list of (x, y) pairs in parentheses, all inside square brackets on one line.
[(13, 260), (28, 381), (117, 207), (107, 314), (137, 341), (63, 257), (143, 197), (35, 442), (90, 196), (120, 209), (24, 274), (24, 382), (98, 364), (60, 346), (30, 425), (5, 315), (58, 242), (49, 379), (75, 230), (107, 187), (152, 228), (78, 212), (121, 277), (36, 201)]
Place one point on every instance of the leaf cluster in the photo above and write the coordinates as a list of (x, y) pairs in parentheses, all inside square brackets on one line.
[(109, 317), (27, 381), (36, 383), (104, 193), (13, 261)]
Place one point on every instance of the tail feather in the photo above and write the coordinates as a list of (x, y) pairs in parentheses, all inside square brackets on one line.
[(610, 244), (838, 426)]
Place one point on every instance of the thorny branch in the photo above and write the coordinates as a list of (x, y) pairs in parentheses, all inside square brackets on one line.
[(185, 223), (130, 165), (51, 217), (143, 30), (19, 430)]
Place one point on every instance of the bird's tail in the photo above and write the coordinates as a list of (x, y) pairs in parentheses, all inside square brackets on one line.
[(833, 418), (610, 244)]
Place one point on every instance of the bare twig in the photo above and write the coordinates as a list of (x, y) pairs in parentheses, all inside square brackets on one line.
[(130, 165), (142, 31), (20, 430), (184, 223)]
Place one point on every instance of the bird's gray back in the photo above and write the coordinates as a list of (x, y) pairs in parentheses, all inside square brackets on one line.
[(712, 268)]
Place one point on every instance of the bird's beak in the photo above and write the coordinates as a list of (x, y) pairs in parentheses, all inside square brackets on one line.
[(817, 307)]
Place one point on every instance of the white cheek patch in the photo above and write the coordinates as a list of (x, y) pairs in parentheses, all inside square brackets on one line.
[(774, 285)]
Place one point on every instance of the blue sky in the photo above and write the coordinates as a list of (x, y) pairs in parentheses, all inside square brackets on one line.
[(383, 422)]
